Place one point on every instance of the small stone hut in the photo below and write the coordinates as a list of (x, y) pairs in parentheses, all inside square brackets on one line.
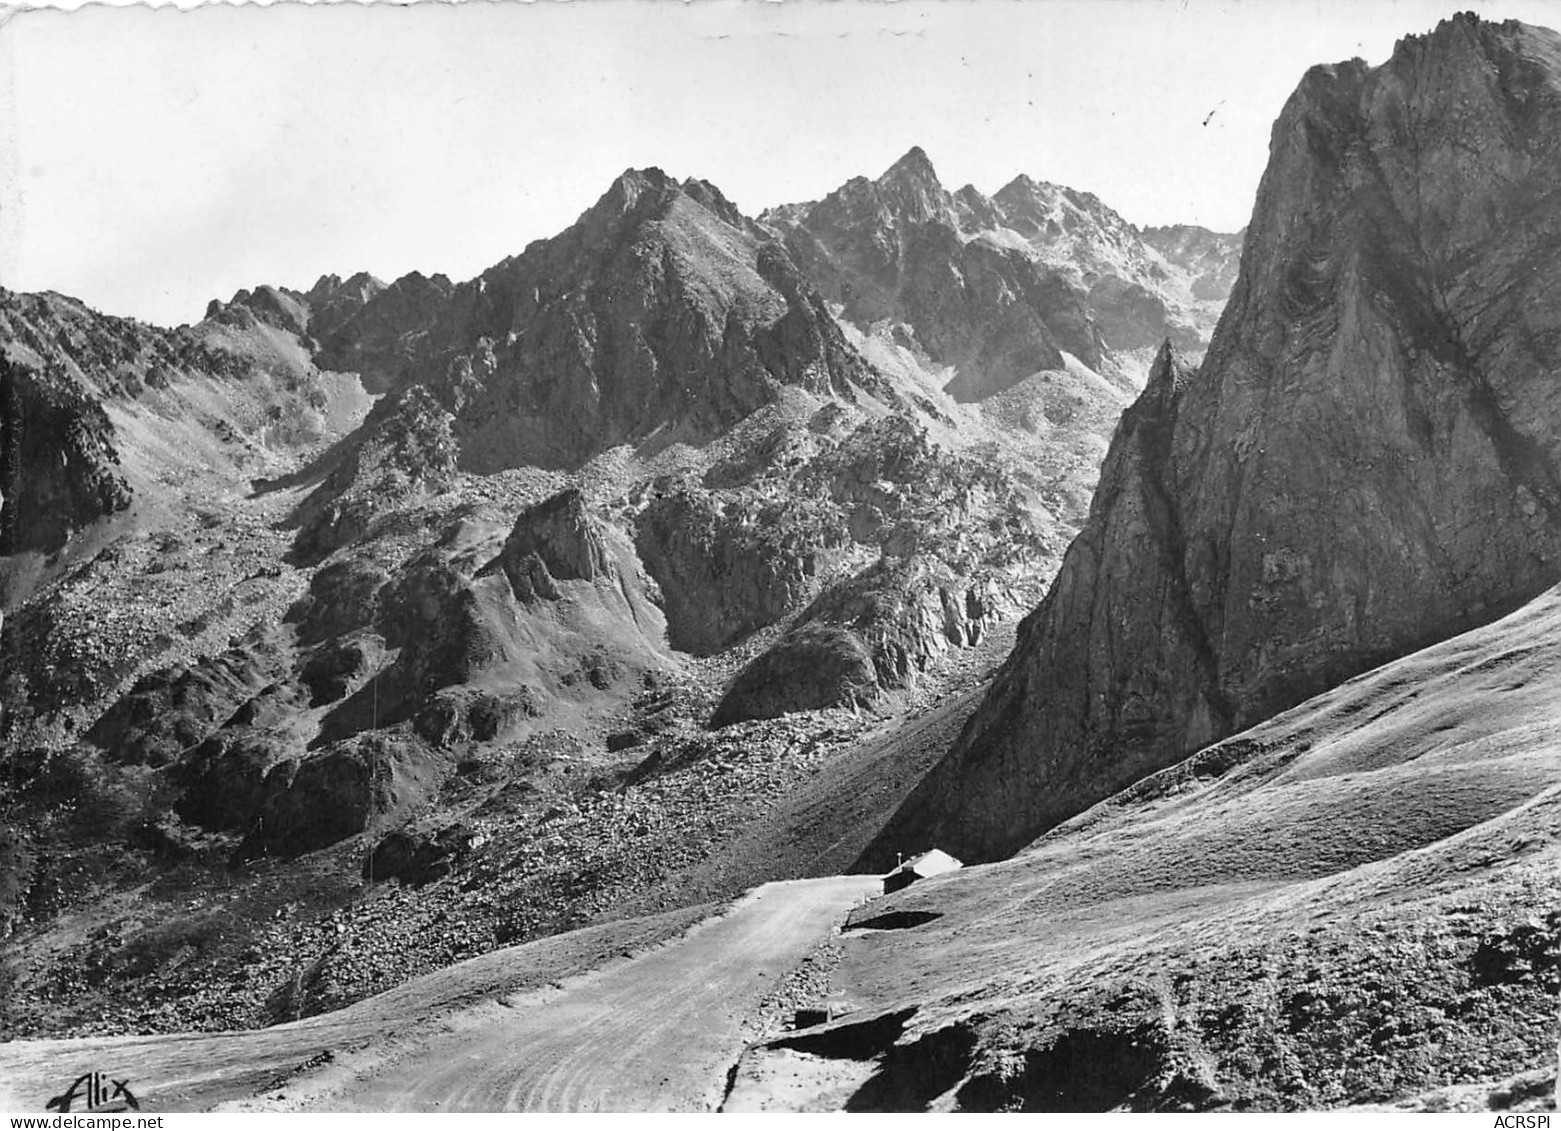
[(931, 863)]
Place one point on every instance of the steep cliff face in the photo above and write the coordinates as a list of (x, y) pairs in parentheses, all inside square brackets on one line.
[(59, 465), (728, 564), (1366, 461), (897, 248)]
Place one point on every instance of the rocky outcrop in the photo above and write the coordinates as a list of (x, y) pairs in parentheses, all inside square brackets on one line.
[(457, 654), (273, 306), (339, 666), (359, 325), (334, 302), (406, 450), (812, 667), (417, 857), (458, 716), (1367, 460), (561, 552), (387, 333), (343, 597), (871, 634), (568, 566), (59, 466), (562, 611), (435, 627), (728, 564), (950, 537), (556, 540), (173, 710), (909, 611), (349, 788), (899, 547), (221, 783)]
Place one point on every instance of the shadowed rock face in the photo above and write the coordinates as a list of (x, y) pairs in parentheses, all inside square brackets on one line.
[(58, 461), (873, 633), (309, 803), (1369, 458), (565, 540), (814, 666), (727, 567), (170, 711)]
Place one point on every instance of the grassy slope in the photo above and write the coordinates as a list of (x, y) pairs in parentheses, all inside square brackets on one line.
[(1357, 901), (195, 1071)]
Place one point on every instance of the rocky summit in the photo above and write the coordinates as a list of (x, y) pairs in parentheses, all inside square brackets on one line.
[(1366, 460), (656, 627)]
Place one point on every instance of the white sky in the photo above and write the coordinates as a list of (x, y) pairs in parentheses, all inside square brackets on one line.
[(153, 159)]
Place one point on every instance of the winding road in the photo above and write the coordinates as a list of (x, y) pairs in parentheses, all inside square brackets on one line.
[(655, 1033)]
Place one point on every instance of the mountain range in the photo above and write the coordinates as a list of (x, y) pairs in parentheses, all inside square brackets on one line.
[(1198, 586)]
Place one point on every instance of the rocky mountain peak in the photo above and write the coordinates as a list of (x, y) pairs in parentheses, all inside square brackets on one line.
[(915, 167), (1040, 209), (274, 306), (910, 189), (359, 288), (1461, 31), (1168, 375), (898, 248), (635, 196), (908, 192), (633, 185), (1023, 191)]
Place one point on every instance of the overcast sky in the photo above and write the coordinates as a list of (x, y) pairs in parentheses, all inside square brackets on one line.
[(153, 159)]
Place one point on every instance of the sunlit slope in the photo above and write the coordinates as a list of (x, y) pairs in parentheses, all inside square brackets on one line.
[(1357, 901), (1399, 758)]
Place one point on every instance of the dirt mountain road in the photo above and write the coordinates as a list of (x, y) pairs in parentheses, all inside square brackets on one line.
[(643, 1014), (657, 1033)]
